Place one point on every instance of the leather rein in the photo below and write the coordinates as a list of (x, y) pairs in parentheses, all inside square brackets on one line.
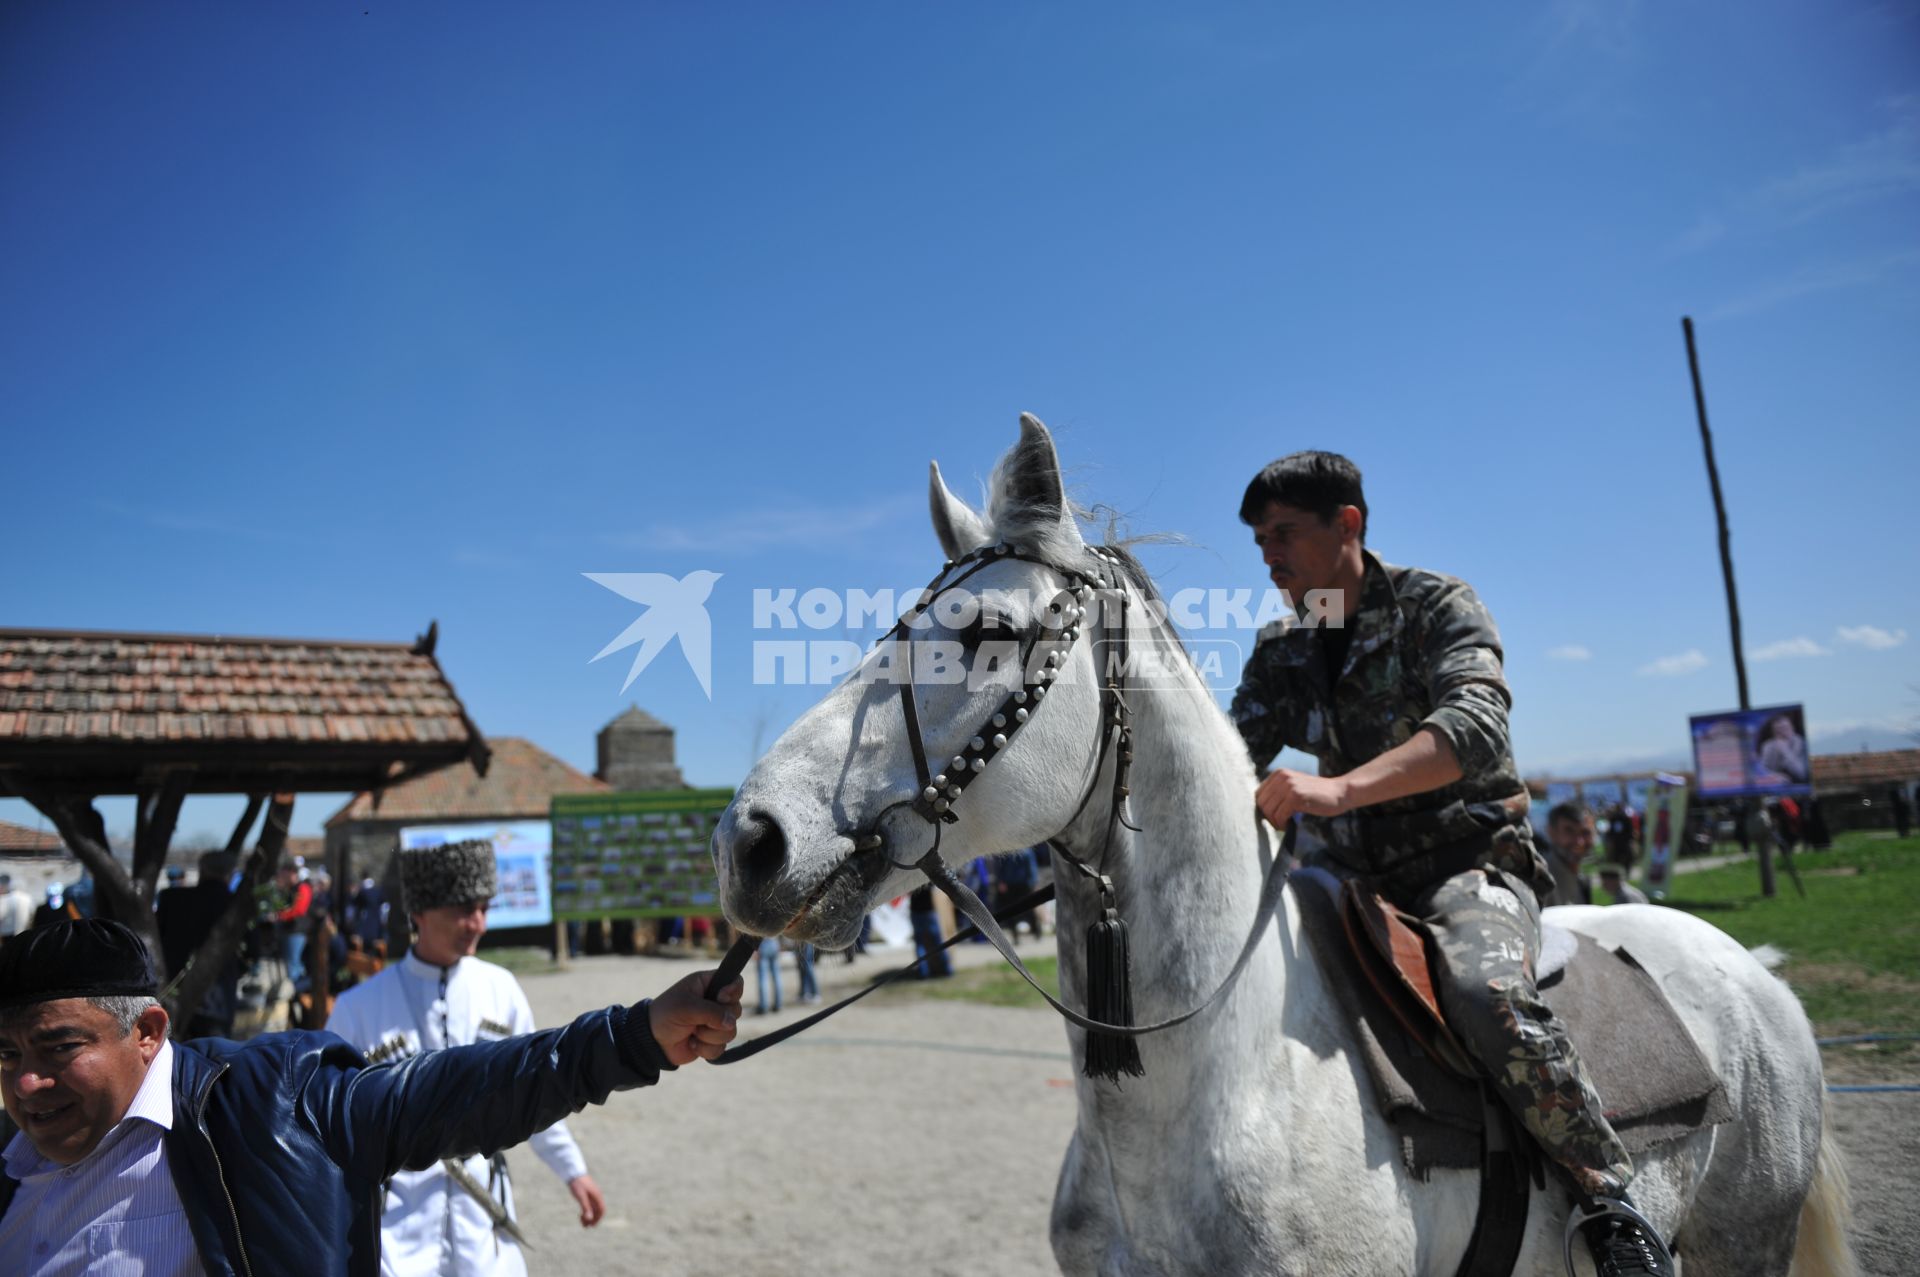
[(1102, 585)]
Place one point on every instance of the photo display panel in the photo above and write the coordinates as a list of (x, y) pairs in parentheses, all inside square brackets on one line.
[(638, 855)]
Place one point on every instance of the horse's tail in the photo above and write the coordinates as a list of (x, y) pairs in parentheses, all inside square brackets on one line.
[(1827, 1215)]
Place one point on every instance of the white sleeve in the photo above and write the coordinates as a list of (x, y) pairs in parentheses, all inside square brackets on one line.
[(555, 1145), (344, 1021)]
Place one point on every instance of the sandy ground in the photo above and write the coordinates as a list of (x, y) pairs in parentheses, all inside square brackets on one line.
[(912, 1136)]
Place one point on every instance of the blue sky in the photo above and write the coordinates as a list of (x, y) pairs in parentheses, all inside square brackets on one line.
[(329, 320)]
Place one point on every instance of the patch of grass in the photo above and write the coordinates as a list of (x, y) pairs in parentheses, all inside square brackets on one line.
[(522, 960), (999, 986), (1853, 944)]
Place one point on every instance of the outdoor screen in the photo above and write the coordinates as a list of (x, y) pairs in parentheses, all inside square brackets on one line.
[(1746, 752)]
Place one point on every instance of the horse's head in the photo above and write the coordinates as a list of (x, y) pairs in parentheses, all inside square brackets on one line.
[(827, 822)]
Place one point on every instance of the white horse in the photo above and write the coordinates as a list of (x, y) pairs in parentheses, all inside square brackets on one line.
[(1253, 1143)]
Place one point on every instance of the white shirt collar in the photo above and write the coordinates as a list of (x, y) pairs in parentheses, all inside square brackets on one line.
[(153, 1102), (414, 965)]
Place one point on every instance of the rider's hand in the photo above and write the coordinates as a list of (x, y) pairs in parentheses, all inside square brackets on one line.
[(1285, 794), (687, 1026)]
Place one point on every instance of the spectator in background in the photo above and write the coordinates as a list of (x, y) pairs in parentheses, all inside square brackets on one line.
[(1902, 811), (1620, 836), (1017, 874), (1786, 819), (80, 895), (16, 911), (57, 908), (291, 919), (1619, 891), (933, 964), (366, 916), (766, 975), (1570, 838), (443, 995), (186, 916), (803, 959), (1819, 837)]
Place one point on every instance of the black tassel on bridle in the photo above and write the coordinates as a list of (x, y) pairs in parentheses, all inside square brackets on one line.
[(1110, 994)]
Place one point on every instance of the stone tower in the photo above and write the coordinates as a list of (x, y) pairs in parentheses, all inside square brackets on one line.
[(635, 751)]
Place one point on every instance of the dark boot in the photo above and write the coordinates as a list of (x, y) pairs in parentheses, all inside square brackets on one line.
[(1624, 1242)]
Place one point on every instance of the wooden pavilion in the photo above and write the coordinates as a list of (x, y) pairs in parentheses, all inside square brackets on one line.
[(162, 716)]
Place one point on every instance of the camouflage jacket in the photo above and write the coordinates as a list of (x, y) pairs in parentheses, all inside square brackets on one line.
[(1423, 653)]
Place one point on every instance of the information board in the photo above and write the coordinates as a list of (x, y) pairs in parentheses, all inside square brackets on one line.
[(637, 855), (1748, 752), (519, 861)]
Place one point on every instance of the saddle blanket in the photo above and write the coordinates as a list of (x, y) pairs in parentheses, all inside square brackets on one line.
[(1650, 1074)]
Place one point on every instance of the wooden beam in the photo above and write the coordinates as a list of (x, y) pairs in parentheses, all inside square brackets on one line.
[(85, 834), (157, 816), (237, 841)]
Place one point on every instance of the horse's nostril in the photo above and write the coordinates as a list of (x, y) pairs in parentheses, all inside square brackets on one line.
[(761, 846)]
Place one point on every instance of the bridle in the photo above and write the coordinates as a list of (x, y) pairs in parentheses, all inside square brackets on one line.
[(1099, 592)]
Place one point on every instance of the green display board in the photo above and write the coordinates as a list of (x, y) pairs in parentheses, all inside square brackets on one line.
[(640, 855)]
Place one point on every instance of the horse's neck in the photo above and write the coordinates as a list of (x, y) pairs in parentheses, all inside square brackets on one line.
[(1188, 882)]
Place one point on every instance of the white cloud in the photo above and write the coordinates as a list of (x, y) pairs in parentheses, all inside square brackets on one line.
[(1883, 164), (1789, 647), (1686, 662), (1871, 636), (1808, 280), (1569, 652)]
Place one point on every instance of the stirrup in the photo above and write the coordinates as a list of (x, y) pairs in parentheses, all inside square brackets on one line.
[(1645, 1253)]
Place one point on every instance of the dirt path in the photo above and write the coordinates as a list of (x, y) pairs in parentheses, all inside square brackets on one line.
[(913, 1136)]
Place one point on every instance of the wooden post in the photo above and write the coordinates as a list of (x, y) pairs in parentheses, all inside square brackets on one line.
[(559, 943), (1767, 885)]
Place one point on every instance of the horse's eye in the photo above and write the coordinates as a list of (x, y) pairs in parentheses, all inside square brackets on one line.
[(988, 624)]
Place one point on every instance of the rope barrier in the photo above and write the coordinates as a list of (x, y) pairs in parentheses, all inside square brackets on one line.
[(1891, 1086)]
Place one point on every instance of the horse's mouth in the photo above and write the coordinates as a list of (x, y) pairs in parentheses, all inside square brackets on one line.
[(830, 917)]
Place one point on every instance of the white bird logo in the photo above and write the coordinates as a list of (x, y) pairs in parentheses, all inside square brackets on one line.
[(674, 609)]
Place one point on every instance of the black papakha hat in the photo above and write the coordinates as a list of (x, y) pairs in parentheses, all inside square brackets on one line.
[(85, 958)]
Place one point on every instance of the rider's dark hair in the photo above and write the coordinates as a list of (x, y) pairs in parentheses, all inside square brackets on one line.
[(1317, 482), (1576, 812)]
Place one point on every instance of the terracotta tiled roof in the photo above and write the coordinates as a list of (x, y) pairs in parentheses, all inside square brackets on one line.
[(76, 704), (1867, 770), (19, 840), (520, 782)]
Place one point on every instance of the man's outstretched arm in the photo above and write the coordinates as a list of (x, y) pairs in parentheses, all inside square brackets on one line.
[(482, 1098)]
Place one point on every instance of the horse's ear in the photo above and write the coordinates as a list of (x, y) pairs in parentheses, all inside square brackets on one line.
[(960, 530), (1027, 488)]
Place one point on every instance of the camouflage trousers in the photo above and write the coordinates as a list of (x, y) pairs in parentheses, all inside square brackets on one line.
[(1487, 925)]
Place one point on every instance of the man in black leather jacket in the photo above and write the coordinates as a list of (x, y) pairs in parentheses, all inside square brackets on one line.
[(276, 1148)]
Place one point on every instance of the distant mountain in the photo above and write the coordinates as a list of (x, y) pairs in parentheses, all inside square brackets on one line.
[(1851, 740)]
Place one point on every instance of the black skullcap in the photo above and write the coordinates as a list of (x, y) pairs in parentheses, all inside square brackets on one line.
[(87, 958)]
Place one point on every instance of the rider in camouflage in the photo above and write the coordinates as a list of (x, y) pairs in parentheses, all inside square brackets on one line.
[(1405, 706)]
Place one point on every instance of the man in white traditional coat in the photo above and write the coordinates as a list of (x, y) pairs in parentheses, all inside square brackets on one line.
[(435, 1221)]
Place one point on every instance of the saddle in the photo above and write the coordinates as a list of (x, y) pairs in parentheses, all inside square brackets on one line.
[(1655, 1083)]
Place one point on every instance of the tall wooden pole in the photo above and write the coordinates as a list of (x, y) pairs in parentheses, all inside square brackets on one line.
[(1726, 570)]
